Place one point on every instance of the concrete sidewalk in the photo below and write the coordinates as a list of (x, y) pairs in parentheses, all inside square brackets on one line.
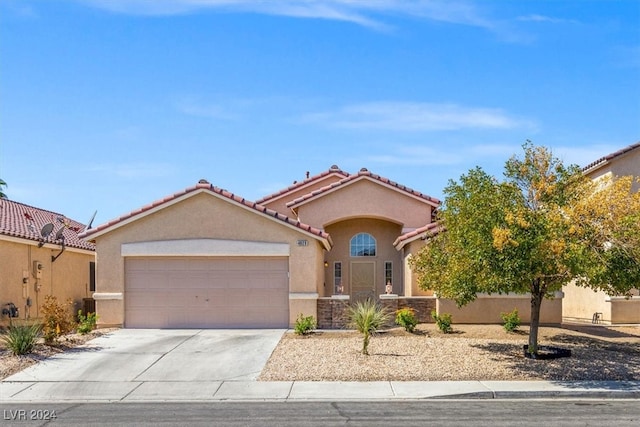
[(155, 391)]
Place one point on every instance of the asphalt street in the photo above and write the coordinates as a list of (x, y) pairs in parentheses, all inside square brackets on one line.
[(557, 413)]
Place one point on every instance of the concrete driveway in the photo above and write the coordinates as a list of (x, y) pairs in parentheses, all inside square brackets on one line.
[(148, 363)]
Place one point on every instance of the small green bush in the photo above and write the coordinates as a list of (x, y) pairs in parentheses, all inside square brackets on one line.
[(406, 317), (443, 321), (86, 323), (367, 317), (511, 321), (304, 325), (21, 339)]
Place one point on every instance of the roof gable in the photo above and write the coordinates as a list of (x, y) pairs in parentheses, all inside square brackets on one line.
[(419, 233), (362, 175), (204, 186), (333, 172), (26, 222)]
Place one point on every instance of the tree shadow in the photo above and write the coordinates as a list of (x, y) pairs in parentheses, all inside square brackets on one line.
[(591, 360), (600, 331)]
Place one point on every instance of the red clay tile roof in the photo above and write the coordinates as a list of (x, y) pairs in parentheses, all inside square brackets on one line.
[(424, 231), (363, 173), (611, 156), (26, 222), (204, 185), (333, 170)]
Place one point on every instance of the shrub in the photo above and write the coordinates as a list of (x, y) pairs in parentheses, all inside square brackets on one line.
[(57, 319), (443, 321), (21, 339), (406, 317), (304, 325), (511, 321), (367, 317), (86, 323)]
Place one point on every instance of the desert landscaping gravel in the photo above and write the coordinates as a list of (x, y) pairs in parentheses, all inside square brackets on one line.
[(472, 352)]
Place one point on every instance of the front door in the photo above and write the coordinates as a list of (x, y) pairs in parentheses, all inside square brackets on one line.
[(363, 281)]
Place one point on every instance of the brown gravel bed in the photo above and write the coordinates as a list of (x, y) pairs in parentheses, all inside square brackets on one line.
[(473, 352)]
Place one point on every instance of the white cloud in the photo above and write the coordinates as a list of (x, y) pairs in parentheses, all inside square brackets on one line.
[(546, 19), (365, 13), (416, 117), (442, 155)]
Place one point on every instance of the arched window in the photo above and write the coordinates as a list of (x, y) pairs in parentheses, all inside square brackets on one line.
[(363, 244)]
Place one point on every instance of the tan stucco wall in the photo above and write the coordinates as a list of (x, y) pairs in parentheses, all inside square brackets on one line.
[(410, 277), (203, 215), (626, 164), (363, 199), (279, 203), (67, 277), (385, 234), (581, 303), (625, 310), (306, 307), (487, 309)]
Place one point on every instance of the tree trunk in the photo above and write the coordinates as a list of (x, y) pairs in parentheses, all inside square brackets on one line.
[(536, 301)]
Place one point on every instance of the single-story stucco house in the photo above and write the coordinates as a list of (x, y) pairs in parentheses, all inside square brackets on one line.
[(205, 257), (584, 304), (41, 254)]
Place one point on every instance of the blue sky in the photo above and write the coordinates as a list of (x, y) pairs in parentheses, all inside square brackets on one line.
[(109, 105)]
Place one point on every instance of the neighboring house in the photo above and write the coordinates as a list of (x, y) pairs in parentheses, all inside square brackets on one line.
[(205, 257), (35, 264), (586, 305)]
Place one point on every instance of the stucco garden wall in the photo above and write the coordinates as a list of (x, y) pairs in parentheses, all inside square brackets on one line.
[(486, 309)]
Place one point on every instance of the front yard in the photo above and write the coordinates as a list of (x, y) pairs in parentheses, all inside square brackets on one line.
[(472, 352)]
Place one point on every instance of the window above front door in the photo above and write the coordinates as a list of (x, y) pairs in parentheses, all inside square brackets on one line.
[(362, 244)]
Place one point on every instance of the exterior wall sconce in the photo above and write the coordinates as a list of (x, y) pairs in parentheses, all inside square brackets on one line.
[(326, 264)]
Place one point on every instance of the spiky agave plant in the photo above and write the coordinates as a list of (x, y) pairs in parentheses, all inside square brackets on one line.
[(367, 317)]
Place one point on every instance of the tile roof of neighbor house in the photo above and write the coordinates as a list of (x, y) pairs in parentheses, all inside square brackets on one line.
[(606, 159), (418, 233), (205, 185), (296, 185), (364, 173), (26, 222)]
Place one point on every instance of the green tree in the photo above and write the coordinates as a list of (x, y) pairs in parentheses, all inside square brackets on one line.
[(520, 236), (2, 185)]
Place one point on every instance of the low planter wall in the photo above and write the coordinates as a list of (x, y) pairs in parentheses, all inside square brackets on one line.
[(333, 312)]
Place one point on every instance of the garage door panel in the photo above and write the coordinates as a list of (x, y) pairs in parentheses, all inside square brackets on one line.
[(206, 292)]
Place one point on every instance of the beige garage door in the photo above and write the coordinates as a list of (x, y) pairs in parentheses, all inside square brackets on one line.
[(206, 292)]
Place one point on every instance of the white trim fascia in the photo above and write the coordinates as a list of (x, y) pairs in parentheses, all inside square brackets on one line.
[(52, 246), (375, 181), (104, 296), (204, 247), (303, 295)]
